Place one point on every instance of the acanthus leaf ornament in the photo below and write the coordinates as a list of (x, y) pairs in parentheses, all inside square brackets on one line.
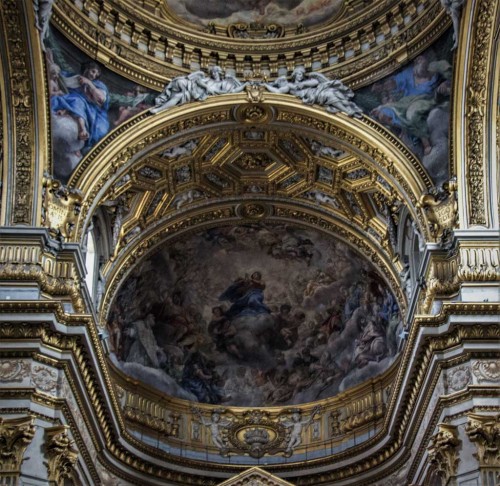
[(61, 454), (15, 436), (441, 208), (443, 451), (484, 432)]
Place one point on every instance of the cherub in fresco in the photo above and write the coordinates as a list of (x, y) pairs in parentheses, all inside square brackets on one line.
[(223, 333), (133, 102)]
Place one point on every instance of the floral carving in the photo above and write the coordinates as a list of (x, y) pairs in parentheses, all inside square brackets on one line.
[(488, 370), (458, 378), (14, 370), (44, 378)]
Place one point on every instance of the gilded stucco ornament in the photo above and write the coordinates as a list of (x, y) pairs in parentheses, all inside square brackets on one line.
[(62, 206), (255, 477), (484, 432), (443, 451), (15, 436), (441, 208), (61, 454), (256, 432)]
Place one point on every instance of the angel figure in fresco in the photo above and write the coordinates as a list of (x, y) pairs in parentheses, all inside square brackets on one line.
[(43, 12), (217, 424), (317, 89)]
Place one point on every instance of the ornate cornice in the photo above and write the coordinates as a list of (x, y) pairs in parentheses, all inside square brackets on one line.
[(360, 48), (428, 348)]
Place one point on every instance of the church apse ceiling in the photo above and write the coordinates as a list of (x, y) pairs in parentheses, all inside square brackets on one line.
[(295, 317), (300, 204)]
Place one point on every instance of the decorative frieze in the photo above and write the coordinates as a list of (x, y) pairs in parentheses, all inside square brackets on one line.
[(487, 370)]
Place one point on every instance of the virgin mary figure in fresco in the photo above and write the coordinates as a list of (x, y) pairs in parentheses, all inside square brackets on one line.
[(246, 296)]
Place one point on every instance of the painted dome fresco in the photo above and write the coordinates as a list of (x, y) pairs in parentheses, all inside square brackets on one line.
[(254, 315), (287, 13)]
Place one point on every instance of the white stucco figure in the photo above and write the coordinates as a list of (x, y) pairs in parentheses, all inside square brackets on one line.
[(43, 12), (216, 424), (295, 425), (319, 149), (454, 9), (317, 89), (196, 87), (179, 150)]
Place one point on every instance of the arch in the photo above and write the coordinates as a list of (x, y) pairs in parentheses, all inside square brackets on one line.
[(124, 147)]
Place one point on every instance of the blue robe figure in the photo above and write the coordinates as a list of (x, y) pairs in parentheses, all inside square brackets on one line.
[(88, 104), (246, 296)]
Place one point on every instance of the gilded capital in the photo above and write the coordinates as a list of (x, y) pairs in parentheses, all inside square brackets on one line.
[(15, 436), (61, 455), (443, 451), (484, 431)]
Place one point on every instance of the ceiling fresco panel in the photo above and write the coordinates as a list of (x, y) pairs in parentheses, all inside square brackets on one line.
[(295, 316)]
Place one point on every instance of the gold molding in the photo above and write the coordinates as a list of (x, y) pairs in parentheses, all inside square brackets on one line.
[(365, 47), (23, 100), (476, 60)]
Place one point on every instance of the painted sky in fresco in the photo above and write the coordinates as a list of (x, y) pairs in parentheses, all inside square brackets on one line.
[(283, 12), (254, 315)]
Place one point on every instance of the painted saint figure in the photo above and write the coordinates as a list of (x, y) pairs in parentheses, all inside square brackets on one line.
[(87, 101), (247, 297)]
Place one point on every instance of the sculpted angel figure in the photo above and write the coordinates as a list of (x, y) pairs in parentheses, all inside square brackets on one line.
[(317, 89), (216, 424), (295, 426), (196, 87), (454, 9), (43, 12)]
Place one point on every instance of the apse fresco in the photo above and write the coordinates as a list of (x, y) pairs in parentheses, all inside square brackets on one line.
[(254, 315), (86, 101), (283, 12), (414, 103)]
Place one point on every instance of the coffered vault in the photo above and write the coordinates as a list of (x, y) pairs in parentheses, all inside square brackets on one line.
[(405, 338)]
